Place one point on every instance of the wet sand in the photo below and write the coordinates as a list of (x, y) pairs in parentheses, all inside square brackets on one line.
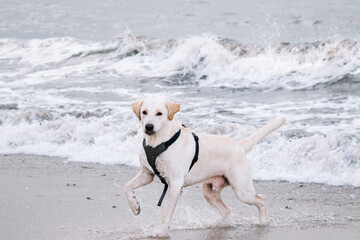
[(50, 198)]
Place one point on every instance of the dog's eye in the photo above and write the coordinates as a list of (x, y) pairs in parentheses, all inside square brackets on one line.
[(144, 112), (159, 114)]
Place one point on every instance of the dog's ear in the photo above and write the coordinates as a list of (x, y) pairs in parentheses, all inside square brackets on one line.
[(137, 107), (172, 107)]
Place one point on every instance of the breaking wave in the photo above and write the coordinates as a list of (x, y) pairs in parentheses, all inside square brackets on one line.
[(72, 98), (205, 60)]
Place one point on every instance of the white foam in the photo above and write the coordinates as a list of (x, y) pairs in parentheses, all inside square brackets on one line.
[(270, 67), (85, 140), (331, 159), (207, 58), (73, 99)]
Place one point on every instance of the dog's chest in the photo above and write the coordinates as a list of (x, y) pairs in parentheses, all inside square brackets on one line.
[(161, 165)]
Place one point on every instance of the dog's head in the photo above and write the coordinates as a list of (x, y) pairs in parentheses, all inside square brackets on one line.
[(155, 114)]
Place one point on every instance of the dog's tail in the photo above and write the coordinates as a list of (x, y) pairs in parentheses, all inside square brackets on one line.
[(249, 142)]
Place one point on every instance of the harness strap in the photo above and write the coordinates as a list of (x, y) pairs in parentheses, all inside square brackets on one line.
[(163, 194), (173, 139), (152, 153), (196, 156)]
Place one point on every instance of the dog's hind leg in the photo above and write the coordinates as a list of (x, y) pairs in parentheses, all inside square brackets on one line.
[(213, 196), (242, 185)]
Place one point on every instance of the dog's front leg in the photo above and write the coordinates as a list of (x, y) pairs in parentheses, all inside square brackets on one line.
[(174, 193), (144, 177)]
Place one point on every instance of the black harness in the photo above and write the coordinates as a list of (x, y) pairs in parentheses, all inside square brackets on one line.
[(153, 153)]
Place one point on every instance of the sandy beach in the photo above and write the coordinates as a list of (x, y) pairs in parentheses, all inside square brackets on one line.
[(51, 198)]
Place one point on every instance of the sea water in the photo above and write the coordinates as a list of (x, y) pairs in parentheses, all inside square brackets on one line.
[(69, 72)]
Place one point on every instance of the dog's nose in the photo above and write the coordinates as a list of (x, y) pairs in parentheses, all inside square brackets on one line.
[(149, 127)]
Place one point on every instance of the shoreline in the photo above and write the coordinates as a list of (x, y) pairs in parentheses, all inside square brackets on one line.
[(51, 198)]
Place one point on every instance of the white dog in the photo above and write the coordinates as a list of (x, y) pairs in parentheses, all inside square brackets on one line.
[(221, 161)]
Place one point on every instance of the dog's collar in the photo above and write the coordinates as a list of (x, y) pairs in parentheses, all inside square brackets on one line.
[(153, 152)]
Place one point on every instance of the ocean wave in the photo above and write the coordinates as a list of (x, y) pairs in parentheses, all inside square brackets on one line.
[(204, 60), (78, 138), (72, 98), (329, 157)]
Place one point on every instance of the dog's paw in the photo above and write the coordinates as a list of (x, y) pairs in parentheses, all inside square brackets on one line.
[(221, 222), (160, 232), (134, 205), (263, 222), (211, 224)]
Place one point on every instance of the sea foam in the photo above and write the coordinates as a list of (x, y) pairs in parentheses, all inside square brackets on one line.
[(72, 98)]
